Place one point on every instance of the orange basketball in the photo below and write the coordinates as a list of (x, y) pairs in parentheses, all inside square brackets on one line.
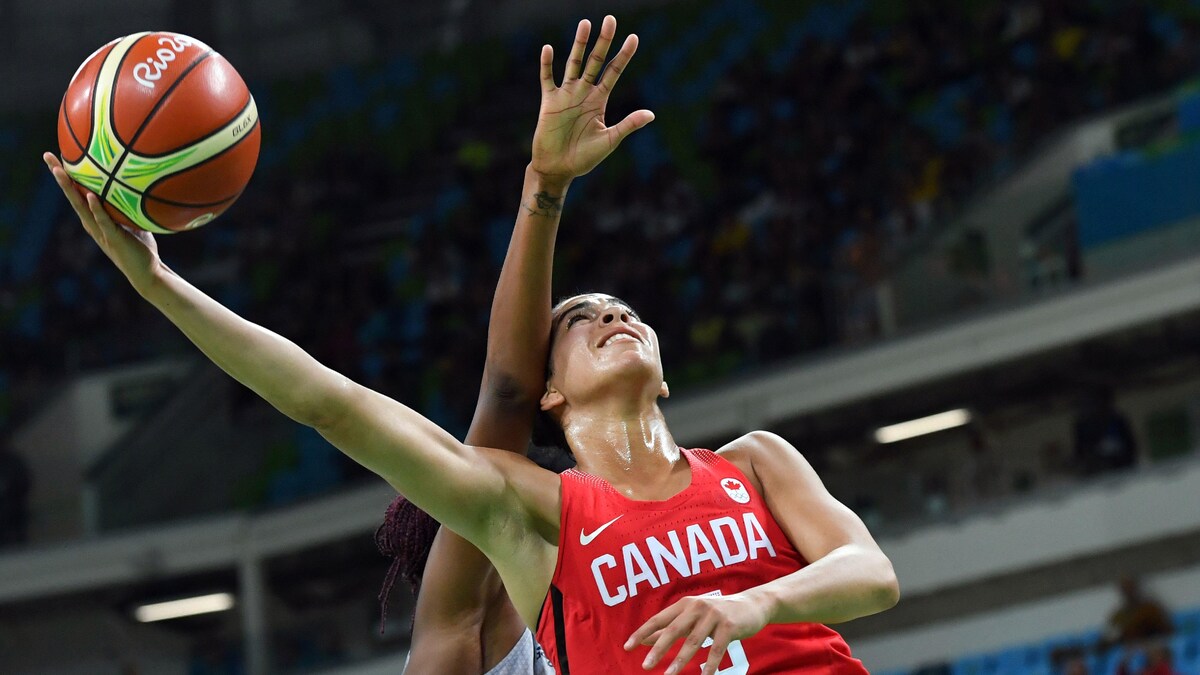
[(162, 128)]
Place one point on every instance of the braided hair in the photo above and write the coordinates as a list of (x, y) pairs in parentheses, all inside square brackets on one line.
[(406, 536)]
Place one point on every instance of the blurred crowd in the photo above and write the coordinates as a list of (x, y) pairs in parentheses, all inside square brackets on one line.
[(1139, 637), (799, 150)]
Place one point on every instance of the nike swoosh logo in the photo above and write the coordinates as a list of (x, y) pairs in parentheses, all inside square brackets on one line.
[(585, 538)]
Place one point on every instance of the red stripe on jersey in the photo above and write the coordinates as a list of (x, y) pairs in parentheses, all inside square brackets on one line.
[(621, 561)]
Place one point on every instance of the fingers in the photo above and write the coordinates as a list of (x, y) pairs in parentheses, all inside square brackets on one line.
[(67, 186), (696, 638), (547, 72), (692, 628), (632, 122), (575, 60), (109, 228), (98, 212), (101, 225), (608, 30), (653, 627), (619, 62), (715, 653), (653, 637)]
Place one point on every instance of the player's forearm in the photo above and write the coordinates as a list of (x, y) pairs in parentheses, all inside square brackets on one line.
[(419, 459), (519, 328), (274, 367), (848, 583)]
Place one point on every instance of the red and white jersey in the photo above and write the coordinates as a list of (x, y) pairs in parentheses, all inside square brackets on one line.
[(621, 561)]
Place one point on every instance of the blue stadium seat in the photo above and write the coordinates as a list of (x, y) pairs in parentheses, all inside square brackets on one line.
[(1187, 622), (1185, 649), (972, 665)]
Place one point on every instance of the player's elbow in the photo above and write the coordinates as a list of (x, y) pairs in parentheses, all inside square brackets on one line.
[(511, 391), (885, 587), (327, 405)]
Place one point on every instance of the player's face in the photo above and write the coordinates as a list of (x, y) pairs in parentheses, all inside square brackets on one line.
[(599, 344)]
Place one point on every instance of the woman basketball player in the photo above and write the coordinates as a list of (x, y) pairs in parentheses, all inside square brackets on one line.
[(464, 622), (727, 561)]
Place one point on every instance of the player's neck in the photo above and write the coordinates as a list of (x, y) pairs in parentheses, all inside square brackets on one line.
[(632, 449)]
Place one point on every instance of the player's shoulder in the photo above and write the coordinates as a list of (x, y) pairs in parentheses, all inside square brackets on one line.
[(754, 453), (762, 445)]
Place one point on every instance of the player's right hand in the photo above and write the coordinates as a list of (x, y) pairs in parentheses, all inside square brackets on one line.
[(571, 136), (134, 253)]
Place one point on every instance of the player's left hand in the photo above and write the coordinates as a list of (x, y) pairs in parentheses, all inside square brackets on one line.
[(134, 252), (572, 136), (724, 618)]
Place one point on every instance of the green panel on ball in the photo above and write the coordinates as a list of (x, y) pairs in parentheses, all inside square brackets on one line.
[(140, 172), (130, 203), (87, 174)]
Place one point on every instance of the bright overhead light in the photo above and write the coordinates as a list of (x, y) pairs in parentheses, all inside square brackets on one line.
[(925, 425), (174, 609)]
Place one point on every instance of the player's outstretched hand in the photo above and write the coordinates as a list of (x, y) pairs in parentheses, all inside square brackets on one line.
[(134, 253), (697, 620), (571, 136)]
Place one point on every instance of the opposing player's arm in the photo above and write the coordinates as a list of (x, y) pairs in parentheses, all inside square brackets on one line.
[(460, 587), (459, 581), (847, 577), (465, 487)]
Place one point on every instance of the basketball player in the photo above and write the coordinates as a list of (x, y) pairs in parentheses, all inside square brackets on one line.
[(464, 622), (730, 561)]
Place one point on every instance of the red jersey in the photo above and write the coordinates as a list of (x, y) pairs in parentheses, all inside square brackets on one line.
[(621, 561)]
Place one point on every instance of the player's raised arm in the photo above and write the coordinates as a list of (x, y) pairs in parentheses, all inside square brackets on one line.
[(570, 140), (459, 584), (467, 488)]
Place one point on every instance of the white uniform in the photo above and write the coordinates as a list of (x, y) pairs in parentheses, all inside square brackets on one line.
[(526, 658)]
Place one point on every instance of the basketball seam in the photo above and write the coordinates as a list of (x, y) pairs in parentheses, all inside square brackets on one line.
[(112, 105), (71, 129), (206, 160), (112, 99), (163, 99), (171, 202), (214, 132), (92, 101)]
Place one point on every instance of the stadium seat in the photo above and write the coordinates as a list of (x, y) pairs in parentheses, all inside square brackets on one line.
[(1185, 649), (972, 665)]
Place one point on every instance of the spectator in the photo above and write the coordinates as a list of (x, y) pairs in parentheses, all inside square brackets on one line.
[(14, 497), (1159, 661), (979, 477), (1138, 617), (1076, 665), (1103, 438), (771, 211)]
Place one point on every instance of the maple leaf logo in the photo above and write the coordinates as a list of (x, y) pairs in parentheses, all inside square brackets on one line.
[(736, 491)]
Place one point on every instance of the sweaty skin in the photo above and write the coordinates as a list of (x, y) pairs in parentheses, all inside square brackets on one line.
[(603, 397), (464, 620)]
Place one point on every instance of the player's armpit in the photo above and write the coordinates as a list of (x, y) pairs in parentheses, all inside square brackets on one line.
[(475, 491)]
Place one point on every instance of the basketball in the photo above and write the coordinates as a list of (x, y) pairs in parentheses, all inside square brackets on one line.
[(161, 128)]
